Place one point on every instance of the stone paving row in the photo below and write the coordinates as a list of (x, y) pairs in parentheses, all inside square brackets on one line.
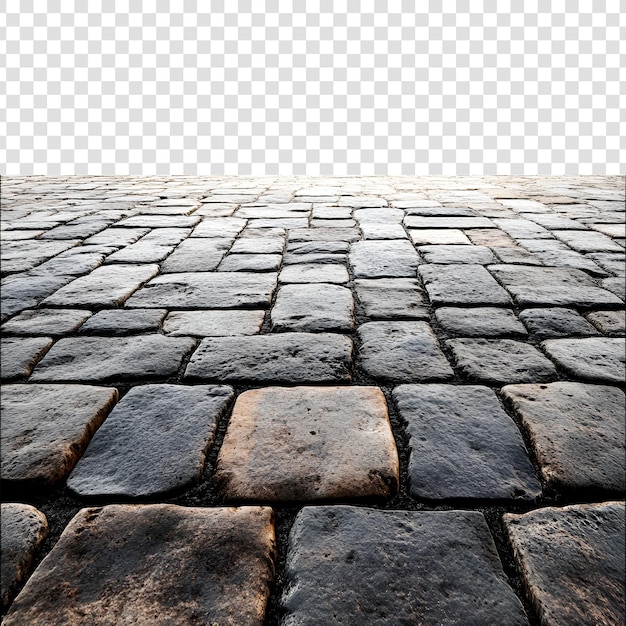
[(293, 400)]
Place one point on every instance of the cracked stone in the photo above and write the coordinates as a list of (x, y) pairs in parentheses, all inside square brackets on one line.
[(577, 432), (46, 428), (341, 436), (463, 445), (175, 565)]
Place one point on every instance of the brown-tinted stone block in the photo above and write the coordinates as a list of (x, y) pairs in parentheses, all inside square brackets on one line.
[(308, 443), (155, 564)]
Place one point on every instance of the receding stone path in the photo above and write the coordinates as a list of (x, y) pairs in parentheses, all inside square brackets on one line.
[(295, 400)]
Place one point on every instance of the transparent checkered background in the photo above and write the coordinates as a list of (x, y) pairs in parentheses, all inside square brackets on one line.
[(329, 87)]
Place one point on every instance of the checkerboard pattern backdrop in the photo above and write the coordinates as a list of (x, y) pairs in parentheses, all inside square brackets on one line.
[(329, 87)]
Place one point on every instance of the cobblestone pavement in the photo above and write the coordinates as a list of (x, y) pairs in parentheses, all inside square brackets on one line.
[(292, 400)]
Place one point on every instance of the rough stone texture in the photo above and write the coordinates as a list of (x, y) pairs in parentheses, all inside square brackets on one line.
[(576, 430), (260, 245), (19, 355), (150, 423), (382, 231), (284, 357), (462, 284), (572, 562), (159, 221), (164, 564), (598, 359), (480, 322), (314, 273), (308, 443), (221, 227), (463, 445), (313, 308), (45, 429), (124, 321), (414, 221), (443, 236), (382, 259), (556, 322), (391, 298), (551, 286), (204, 290), (109, 286), (51, 322), (364, 566), (500, 361), (588, 241), (402, 351), (20, 256), (250, 263), (102, 359), (479, 255), (324, 234), (196, 255), (213, 323), (25, 291), (612, 323), (24, 529)]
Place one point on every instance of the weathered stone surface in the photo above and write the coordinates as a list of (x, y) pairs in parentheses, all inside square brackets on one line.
[(164, 564), (284, 357), (572, 562), (391, 298), (415, 221), (522, 229), (614, 263), (109, 286), (24, 529), (402, 351), (318, 247), (445, 236), (479, 255), (612, 230), (166, 236), (556, 322), (140, 252), (462, 284), (569, 258), (318, 258), (73, 262), (516, 256), (113, 358), (324, 234), (45, 429), (365, 566), (379, 216), (333, 223), (149, 424), (463, 445), (551, 286), (25, 291), (616, 286), (258, 245), (203, 290), (159, 221), (20, 256), (19, 355), (197, 255), (381, 259), (115, 236), (250, 263), (51, 322), (491, 237), (612, 323), (598, 359), (500, 361), (312, 308), (314, 273), (480, 322), (308, 443), (576, 430), (124, 321), (213, 323), (372, 230), (588, 241)]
